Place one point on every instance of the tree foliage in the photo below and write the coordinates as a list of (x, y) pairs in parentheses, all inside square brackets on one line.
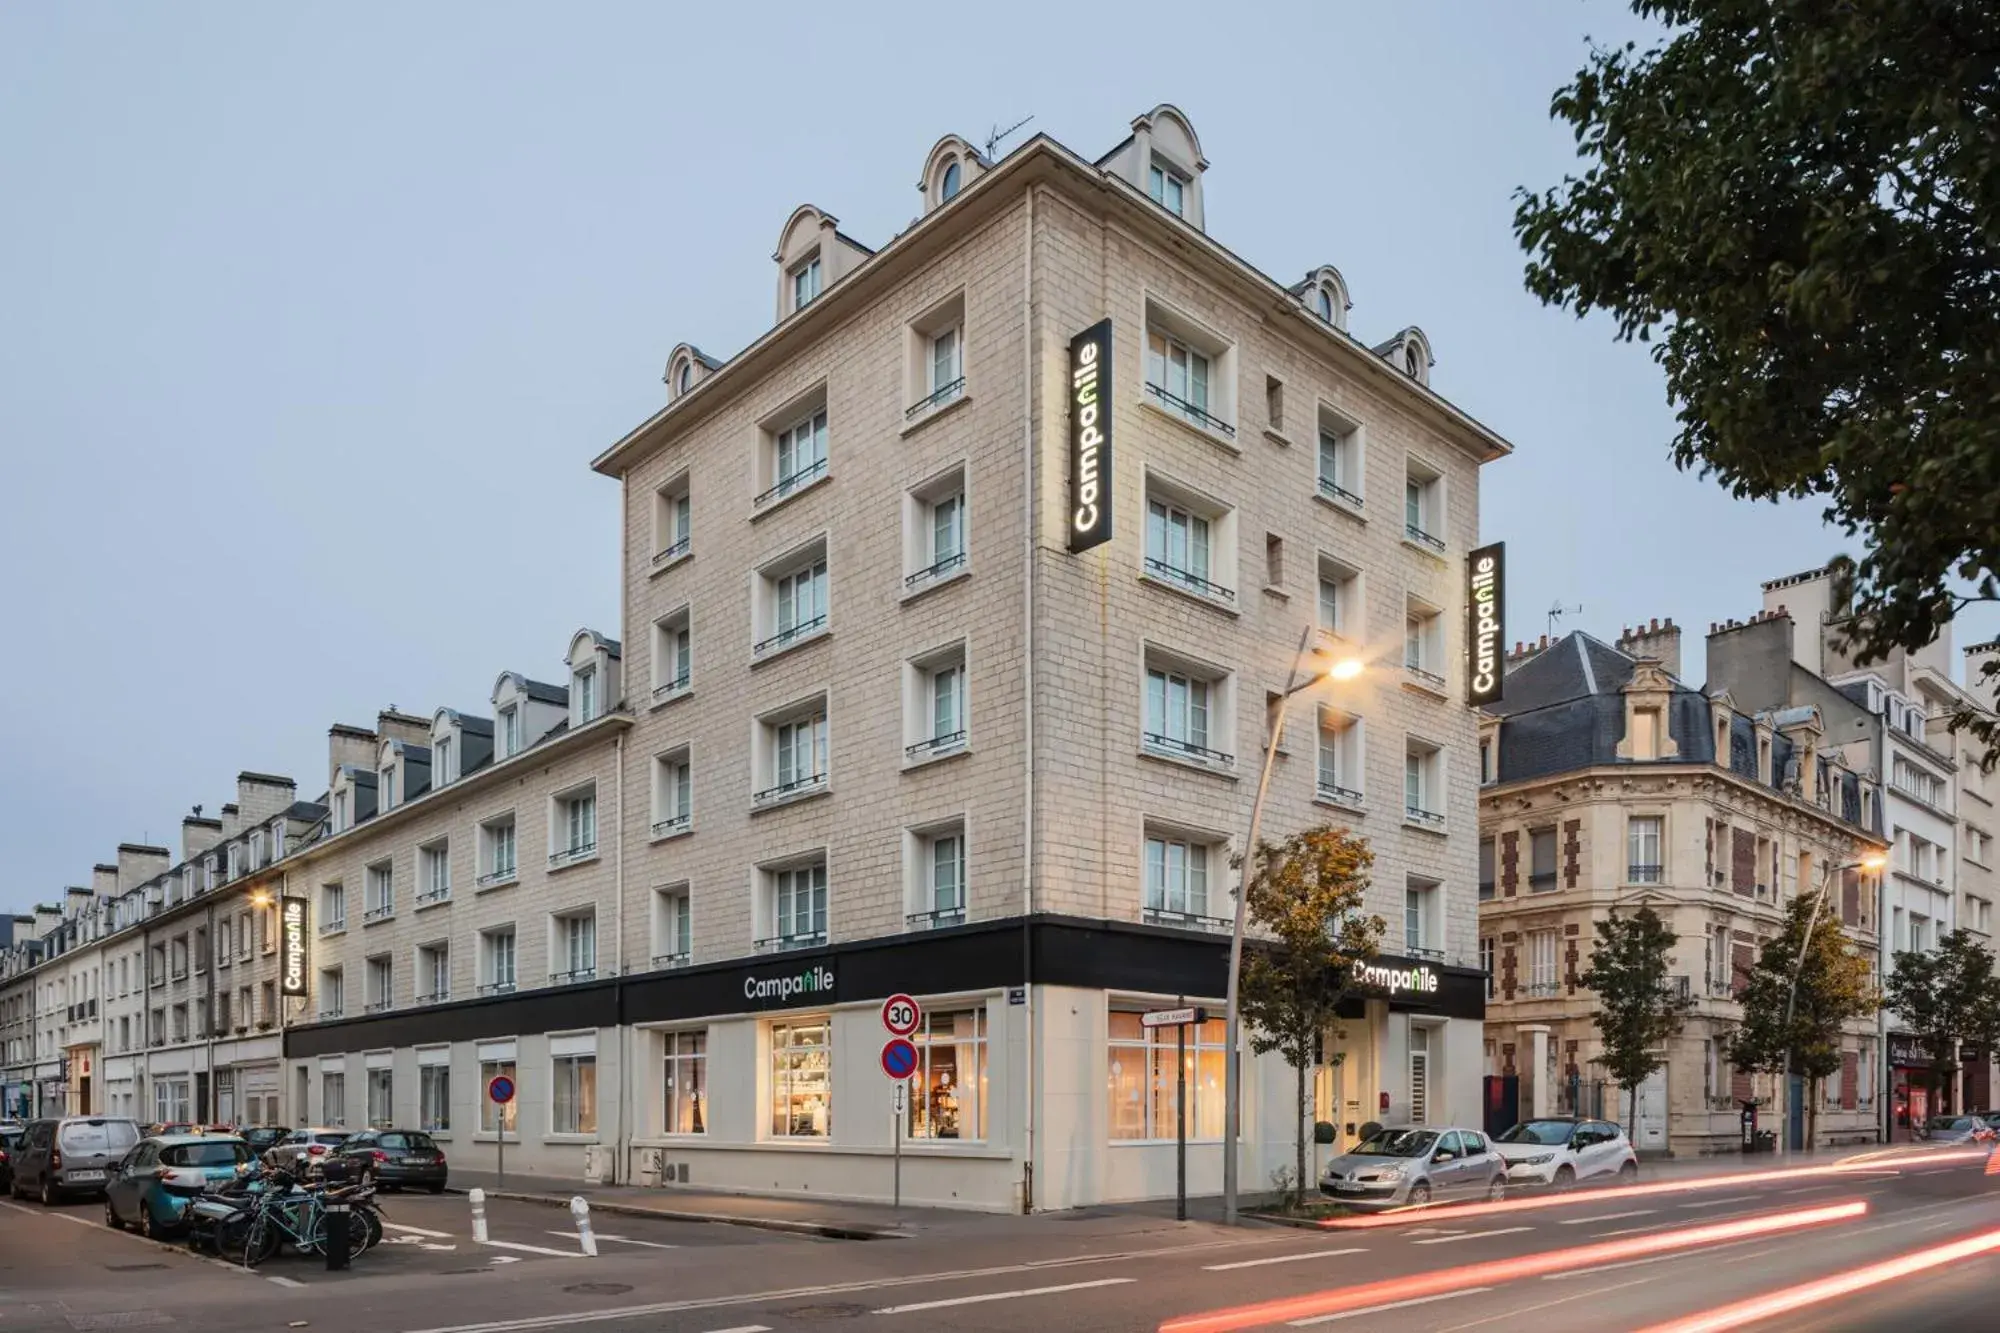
[(1638, 1010), (1307, 892), (1801, 203), (1834, 990), (1945, 996)]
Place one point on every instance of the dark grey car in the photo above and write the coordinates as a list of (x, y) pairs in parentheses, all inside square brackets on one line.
[(74, 1155)]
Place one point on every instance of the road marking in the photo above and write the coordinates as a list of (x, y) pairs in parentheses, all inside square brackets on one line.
[(1717, 1203), (744, 1328), (1631, 1231), (285, 1281), (534, 1249), (1277, 1259), (1939, 1226), (1005, 1295), (1605, 1217), (1474, 1235), (416, 1231), (1809, 1189), (1393, 1305), (622, 1240), (80, 1221), (1545, 1305)]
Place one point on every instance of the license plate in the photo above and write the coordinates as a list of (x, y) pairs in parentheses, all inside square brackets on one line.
[(80, 1176), (1343, 1187)]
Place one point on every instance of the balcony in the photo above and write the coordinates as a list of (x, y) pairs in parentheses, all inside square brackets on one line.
[(1542, 990), (333, 927), (798, 789), (944, 393), (810, 939), (1677, 988), (936, 747), (569, 856), (673, 689), (936, 920), (434, 997), (377, 1006), (789, 485), (1182, 408), (1544, 882), (673, 825), (1172, 747), (1424, 951), (379, 913), (495, 988), (431, 897), (1189, 581), (1422, 818), (1416, 534), (1339, 795), (1167, 916), (1721, 988), (1644, 874), (493, 879), (673, 552), (326, 1015), (949, 564), (803, 630), (573, 976), (666, 960), (1334, 491), (1425, 678)]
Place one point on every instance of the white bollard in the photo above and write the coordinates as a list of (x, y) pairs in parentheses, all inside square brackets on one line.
[(478, 1197), (579, 1208)]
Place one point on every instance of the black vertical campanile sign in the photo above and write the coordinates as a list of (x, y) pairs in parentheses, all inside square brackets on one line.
[(293, 948), (1090, 405), (1486, 623)]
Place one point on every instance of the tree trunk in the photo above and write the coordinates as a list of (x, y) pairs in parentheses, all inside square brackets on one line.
[(1631, 1114), (1812, 1113), (1299, 1137)]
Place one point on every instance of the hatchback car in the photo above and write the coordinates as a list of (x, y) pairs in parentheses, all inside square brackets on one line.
[(74, 1155), (156, 1182), (264, 1136), (1560, 1151), (1958, 1129), (394, 1157), (1414, 1165), (315, 1142)]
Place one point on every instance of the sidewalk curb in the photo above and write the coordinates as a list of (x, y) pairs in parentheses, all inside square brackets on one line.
[(825, 1230)]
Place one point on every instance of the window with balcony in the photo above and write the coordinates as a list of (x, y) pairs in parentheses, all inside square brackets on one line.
[(1423, 506), (1423, 646), (794, 906), (673, 518), (434, 873), (573, 946), (497, 865), (934, 546), (1188, 711), (795, 456), (1338, 779), (934, 705), (433, 972), (792, 754), (934, 873), (1340, 468), (1423, 923), (332, 992), (381, 903), (1423, 784), (1541, 946), (1190, 373), (1340, 601), (935, 364), (673, 926), (673, 655), (673, 793), (1176, 891), (496, 961), (573, 827), (1645, 849), (790, 602), (381, 983), (1190, 542)]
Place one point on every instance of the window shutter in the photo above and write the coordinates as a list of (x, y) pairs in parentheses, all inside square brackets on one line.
[(1510, 862), (1740, 963), (1850, 903), (1743, 862), (1850, 1070)]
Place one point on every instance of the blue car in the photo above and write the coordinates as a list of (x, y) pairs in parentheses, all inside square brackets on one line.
[(152, 1187)]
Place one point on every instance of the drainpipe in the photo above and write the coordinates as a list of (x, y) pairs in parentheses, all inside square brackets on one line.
[(208, 1111), (1028, 701), (622, 1140)]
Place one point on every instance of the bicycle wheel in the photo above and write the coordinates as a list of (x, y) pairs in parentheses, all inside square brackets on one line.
[(259, 1243), (372, 1221)]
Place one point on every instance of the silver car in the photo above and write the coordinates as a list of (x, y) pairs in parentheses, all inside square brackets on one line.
[(1415, 1165)]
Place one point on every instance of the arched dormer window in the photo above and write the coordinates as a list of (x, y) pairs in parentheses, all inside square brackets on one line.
[(1325, 305), (1413, 361), (686, 380), (948, 183)]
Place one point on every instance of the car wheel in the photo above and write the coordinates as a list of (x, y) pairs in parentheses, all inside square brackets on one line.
[(1420, 1192), (111, 1218), (49, 1196), (1565, 1180), (147, 1227), (1628, 1173), (1498, 1189)]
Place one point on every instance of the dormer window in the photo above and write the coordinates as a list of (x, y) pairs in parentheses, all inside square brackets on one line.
[(340, 819), (686, 380), (257, 861), (385, 789), (586, 694), (1325, 304), (1169, 189), (948, 184), (510, 731), (805, 283), (441, 761)]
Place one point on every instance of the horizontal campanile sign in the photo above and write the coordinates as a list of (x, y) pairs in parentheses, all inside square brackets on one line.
[(781, 988), (1090, 406), (1486, 623)]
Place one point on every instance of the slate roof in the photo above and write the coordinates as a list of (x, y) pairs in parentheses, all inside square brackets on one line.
[(544, 692)]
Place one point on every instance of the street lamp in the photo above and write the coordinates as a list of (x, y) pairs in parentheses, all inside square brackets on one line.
[(1345, 669), (1872, 861)]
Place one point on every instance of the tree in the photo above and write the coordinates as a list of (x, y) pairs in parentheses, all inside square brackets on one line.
[(1637, 1009), (1834, 989), (1308, 892), (1945, 996), (1799, 200)]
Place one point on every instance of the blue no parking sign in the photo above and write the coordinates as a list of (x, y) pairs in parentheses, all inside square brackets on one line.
[(501, 1089), (899, 1058)]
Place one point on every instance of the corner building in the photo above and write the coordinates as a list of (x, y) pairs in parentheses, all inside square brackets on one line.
[(892, 734)]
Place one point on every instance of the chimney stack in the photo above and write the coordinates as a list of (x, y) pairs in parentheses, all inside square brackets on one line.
[(138, 863), (349, 747), (1658, 639), (198, 835)]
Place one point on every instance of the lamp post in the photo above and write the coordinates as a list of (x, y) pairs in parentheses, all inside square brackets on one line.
[(1873, 861), (1346, 668)]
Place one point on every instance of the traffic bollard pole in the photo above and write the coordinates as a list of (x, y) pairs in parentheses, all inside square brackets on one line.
[(579, 1208), (337, 1232), (478, 1197)]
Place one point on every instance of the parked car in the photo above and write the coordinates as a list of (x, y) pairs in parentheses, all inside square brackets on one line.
[(10, 1140), (1415, 1165), (73, 1155), (264, 1136), (1560, 1151), (1958, 1129), (154, 1184), (394, 1158), (315, 1142)]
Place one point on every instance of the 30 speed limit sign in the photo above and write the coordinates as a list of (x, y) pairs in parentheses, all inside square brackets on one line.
[(901, 1015)]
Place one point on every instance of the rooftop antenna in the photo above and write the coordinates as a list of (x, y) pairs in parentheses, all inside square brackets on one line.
[(1557, 611), (997, 134)]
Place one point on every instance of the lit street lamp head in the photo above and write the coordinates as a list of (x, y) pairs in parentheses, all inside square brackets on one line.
[(1347, 668)]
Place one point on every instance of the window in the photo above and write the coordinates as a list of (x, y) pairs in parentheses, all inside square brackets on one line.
[(1142, 1079), (1541, 860), (1420, 1076), (686, 1100), (381, 902), (381, 990), (332, 992), (1274, 402), (1176, 890), (1423, 506), (805, 283), (1916, 782), (574, 1081), (1423, 645), (586, 693), (1185, 713), (381, 1099), (385, 794), (1488, 769), (180, 1022), (798, 456), (180, 955), (496, 852), (1177, 378), (948, 1095), (510, 731), (332, 1098), (797, 906), (1422, 930), (1864, 1075), (1340, 471), (493, 1117), (1487, 956), (434, 873), (1423, 784), (1340, 600), (573, 831), (433, 973), (793, 762), (1643, 854), (1324, 305), (791, 599), (496, 961), (257, 858), (340, 820), (801, 1079), (1274, 561), (1645, 737), (673, 656), (673, 522), (1168, 189), (1541, 964), (935, 861), (673, 793), (673, 927), (948, 185), (1183, 547), (934, 530), (573, 947), (434, 1095)]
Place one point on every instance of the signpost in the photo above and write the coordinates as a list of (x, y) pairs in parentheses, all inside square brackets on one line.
[(500, 1089), (1178, 1019), (902, 1016)]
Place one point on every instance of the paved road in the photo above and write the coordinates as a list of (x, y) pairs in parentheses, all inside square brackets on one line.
[(1589, 1261)]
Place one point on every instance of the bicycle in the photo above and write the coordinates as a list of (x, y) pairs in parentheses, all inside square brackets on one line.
[(286, 1215)]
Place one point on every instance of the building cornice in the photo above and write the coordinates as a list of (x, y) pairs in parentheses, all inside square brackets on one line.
[(1695, 774)]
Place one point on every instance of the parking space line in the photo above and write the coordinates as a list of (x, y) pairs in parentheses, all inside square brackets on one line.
[(284, 1281), (985, 1297), (1474, 1235), (1717, 1203), (623, 1240), (416, 1231), (534, 1249), (744, 1328), (1606, 1217), (1277, 1259)]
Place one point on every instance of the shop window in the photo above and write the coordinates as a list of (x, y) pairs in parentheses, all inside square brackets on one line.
[(492, 1117), (802, 1079), (686, 1087), (381, 1098), (573, 1081), (1142, 1079), (948, 1098), (434, 1092)]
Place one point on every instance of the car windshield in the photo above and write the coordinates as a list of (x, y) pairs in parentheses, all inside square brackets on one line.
[(1396, 1143), (1548, 1133), (95, 1136), (205, 1154), (330, 1138), (1952, 1122), (408, 1142)]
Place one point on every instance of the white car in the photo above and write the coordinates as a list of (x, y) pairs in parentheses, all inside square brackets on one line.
[(1562, 1152)]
